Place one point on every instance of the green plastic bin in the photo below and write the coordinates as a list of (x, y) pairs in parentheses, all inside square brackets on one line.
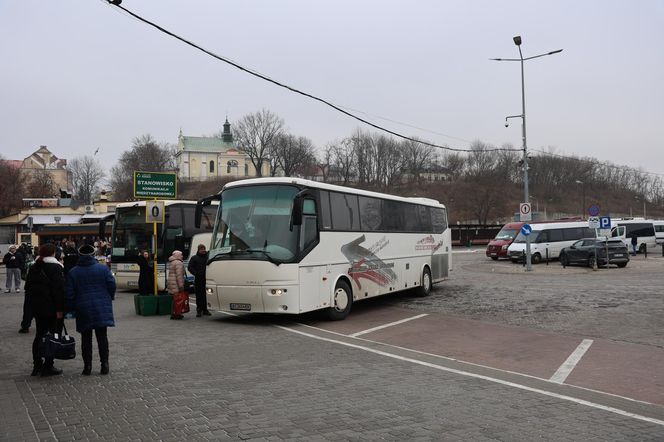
[(165, 303), (147, 305), (137, 306)]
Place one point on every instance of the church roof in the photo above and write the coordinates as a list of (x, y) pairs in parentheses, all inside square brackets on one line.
[(205, 144)]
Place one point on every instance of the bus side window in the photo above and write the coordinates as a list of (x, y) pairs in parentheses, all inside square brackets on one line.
[(309, 231), (325, 216), (438, 220)]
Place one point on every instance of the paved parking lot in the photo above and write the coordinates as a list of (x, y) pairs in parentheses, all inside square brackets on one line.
[(618, 304), (261, 377)]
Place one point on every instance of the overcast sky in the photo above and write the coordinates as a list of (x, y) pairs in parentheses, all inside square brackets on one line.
[(79, 74)]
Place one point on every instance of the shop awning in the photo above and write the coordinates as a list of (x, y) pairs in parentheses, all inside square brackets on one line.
[(52, 219)]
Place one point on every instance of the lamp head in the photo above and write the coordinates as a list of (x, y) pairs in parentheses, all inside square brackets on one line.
[(517, 40)]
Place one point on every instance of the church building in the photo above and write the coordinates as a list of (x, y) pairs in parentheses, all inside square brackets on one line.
[(202, 158)]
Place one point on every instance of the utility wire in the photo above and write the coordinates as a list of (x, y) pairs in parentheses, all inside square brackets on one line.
[(294, 90)]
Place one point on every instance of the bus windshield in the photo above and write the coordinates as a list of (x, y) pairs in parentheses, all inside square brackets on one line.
[(130, 234), (254, 222)]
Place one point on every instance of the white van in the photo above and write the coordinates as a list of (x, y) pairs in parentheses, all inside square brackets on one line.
[(548, 239), (644, 230), (659, 231)]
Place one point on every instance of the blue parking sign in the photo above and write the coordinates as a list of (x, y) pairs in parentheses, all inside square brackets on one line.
[(604, 222)]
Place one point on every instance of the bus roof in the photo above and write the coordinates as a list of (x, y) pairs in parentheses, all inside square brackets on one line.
[(142, 203), (332, 187)]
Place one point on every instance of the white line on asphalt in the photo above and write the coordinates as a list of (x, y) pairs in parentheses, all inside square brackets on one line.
[(474, 364), (364, 332), (483, 377), (566, 369)]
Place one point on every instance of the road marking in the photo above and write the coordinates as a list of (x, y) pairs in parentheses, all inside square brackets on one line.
[(364, 332), (566, 369), (483, 377)]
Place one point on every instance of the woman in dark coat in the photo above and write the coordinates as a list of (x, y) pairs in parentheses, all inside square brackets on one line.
[(45, 292), (90, 292), (146, 275)]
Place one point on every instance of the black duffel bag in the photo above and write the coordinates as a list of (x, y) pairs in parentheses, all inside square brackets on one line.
[(58, 345)]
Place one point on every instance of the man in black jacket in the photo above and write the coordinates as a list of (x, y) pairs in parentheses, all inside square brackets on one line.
[(14, 263), (70, 256), (197, 266)]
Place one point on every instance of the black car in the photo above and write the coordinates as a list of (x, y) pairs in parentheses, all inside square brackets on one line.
[(586, 251)]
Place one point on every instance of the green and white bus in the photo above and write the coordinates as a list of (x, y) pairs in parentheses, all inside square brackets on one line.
[(131, 235), (289, 245)]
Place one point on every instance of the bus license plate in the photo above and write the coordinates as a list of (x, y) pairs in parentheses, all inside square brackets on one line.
[(235, 306)]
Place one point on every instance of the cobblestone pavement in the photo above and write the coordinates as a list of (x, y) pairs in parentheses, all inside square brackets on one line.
[(223, 378), (620, 304)]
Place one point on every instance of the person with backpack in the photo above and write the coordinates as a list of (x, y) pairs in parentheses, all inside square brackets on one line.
[(45, 292)]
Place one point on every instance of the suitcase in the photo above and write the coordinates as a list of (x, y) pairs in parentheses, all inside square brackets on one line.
[(180, 303)]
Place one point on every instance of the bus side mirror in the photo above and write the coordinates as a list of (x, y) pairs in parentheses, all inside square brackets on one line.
[(203, 202)]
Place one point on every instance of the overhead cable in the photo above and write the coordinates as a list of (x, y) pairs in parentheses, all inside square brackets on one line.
[(294, 90)]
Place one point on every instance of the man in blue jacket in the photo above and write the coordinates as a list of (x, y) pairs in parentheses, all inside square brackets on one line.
[(90, 292)]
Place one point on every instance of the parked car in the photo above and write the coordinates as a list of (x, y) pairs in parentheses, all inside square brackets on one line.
[(585, 251)]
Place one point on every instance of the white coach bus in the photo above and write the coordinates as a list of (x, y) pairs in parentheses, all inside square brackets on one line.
[(288, 245)]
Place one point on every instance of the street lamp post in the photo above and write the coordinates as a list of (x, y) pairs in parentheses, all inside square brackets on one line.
[(583, 201), (517, 42)]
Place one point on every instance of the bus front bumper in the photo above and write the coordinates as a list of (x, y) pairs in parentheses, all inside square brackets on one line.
[(256, 299)]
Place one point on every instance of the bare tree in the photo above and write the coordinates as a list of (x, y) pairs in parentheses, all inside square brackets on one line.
[(41, 184), (326, 161), (343, 160), (256, 134), (417, 157), (87, 174), (293, 154), (145, 154), (11, 188)]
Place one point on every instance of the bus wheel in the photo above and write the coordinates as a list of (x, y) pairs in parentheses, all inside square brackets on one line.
[(536, 258), (425, 288), (642, 248), (343, 300)]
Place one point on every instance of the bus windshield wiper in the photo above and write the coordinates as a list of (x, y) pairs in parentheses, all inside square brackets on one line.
[(267, 255), (219, 254)]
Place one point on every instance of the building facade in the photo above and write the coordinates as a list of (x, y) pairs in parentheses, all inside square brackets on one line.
[(203, 158), (44, 160)]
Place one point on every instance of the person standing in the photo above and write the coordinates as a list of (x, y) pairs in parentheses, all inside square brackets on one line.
[(146, 274), (197, 266), (14, 263), (45, 291), (175, 283), (635, 242), (70, 256), (90, 292)]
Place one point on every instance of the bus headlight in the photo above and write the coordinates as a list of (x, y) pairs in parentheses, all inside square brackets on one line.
[(209, 291), (276, 292)]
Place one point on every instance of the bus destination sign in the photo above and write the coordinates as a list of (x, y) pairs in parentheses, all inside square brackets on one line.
[(155, 185)]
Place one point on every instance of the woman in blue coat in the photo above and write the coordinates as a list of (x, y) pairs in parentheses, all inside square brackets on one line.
[(90, 292)]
